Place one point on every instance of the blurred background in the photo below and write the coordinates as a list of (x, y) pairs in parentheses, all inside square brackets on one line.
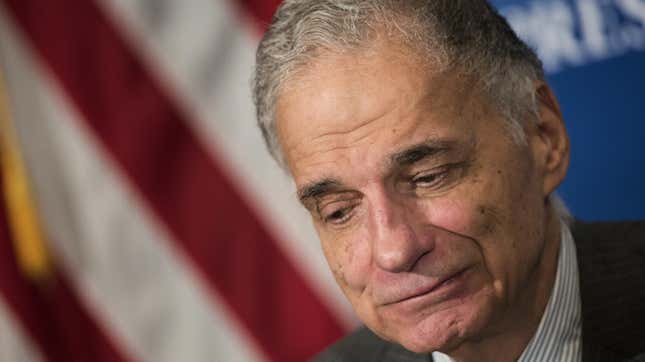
[(141, 218)]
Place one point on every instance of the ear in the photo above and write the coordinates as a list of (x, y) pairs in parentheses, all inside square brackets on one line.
[(549, 140)]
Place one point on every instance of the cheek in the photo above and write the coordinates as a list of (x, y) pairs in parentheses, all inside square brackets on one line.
[(481, 207), (480, 225), (349, 261), (467, 217)]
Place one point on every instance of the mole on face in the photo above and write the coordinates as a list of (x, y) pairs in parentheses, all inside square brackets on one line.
[(489, 219)]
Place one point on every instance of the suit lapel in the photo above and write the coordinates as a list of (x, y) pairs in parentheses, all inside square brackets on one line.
[(612, 284)]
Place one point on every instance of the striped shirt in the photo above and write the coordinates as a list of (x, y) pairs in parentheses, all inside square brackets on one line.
[(559, 335)]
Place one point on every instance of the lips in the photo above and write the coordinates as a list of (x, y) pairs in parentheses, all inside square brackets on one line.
[(427, 288)]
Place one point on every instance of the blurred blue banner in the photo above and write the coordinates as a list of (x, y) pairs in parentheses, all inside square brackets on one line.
[(594, 55)]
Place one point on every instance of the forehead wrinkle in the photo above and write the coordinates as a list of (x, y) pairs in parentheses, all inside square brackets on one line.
[(340, 141), (331, 140), (358, 126)]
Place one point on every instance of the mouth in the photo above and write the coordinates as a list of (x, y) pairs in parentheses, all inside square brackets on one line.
[(434, 288)]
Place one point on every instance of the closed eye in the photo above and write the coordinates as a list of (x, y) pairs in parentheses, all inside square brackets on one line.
[(436, 179), (337, 209), (339, 216), (430, 179)]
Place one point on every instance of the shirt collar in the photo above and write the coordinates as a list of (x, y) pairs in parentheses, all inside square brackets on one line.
[(559, 335)]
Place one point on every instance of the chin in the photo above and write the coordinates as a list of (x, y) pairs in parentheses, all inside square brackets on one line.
[(447, 329)]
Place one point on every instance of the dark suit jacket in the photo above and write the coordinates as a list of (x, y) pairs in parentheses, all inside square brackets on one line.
[(611, 260)]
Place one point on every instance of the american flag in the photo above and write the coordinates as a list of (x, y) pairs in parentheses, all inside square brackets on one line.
[(141, 218)]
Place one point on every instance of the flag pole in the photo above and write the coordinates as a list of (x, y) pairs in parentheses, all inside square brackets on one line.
[(22, 216)]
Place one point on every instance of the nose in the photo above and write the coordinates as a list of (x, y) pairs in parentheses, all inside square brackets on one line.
[(397, 240)]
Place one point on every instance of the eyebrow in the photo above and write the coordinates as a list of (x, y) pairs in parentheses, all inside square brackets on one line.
[(318, 188), (406, 157), (420, 151)]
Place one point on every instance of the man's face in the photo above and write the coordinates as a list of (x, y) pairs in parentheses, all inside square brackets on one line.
[(431, 218)]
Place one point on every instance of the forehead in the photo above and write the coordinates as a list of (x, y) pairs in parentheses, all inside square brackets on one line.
[(368, 81), (380, 97)]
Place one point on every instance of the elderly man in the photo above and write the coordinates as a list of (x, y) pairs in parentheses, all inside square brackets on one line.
[(426, 144)]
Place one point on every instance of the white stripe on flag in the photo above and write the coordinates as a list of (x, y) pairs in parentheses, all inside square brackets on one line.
[(143, 291), (203, 52), (15, 345)]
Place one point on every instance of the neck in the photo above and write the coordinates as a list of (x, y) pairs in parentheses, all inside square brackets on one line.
[(519, 325)]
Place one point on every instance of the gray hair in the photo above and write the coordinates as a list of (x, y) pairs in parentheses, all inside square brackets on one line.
[(465, 35)]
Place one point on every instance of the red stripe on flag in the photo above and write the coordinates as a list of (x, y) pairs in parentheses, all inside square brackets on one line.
[(51, 314), (149, 137), (261, 10)]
